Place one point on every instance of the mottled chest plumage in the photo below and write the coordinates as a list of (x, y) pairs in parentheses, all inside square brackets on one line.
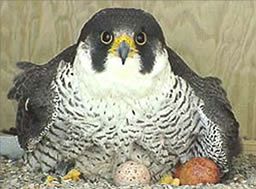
[(165, 122)]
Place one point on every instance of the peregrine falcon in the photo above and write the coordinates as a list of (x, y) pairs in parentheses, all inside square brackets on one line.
[(120, 93)]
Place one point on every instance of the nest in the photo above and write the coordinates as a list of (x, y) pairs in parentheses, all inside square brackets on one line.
[(14, 174)]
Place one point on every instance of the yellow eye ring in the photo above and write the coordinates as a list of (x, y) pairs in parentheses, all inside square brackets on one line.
[(106, 37), (141, 38)]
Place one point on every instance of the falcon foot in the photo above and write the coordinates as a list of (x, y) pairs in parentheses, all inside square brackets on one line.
[(168, 179), (64, 170), (50, 179), (72, 175)]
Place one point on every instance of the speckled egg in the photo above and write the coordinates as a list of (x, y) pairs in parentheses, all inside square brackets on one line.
[(131, 172)]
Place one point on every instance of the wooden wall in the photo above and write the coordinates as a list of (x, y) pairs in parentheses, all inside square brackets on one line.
[(215, 37)]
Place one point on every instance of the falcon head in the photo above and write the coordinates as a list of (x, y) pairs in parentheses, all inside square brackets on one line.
[(121, 52)]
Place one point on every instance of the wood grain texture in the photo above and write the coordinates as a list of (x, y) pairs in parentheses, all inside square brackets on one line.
[(214, 37)]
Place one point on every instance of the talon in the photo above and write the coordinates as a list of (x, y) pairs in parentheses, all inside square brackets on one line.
[(168, 179), (73, 175), (50, 179), (175, 182)]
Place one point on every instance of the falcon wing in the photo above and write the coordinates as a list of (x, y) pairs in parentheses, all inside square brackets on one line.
[(31, 89), (217, 107)]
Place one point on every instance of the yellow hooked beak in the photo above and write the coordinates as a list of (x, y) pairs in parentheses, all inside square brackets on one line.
[(123, 46)]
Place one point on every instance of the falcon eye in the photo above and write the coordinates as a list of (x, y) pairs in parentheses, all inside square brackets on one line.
[(141, 38), (106, 37)]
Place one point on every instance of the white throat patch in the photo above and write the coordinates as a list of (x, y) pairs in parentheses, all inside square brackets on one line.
[(119, 80)]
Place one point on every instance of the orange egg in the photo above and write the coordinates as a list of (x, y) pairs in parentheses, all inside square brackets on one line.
[(197, 170)]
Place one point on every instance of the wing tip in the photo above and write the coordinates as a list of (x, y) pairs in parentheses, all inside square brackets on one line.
[(17, 81), (24, 65)]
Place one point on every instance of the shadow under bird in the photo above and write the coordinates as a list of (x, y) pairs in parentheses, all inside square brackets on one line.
[(120, 93)]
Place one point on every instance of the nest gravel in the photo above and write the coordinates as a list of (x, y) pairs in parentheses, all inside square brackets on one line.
[(14, 174)]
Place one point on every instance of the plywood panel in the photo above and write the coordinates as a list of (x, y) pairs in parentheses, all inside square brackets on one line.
[(214, 37), (249, 146)]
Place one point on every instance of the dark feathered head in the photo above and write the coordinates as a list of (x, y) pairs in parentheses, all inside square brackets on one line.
[(122, 45)]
